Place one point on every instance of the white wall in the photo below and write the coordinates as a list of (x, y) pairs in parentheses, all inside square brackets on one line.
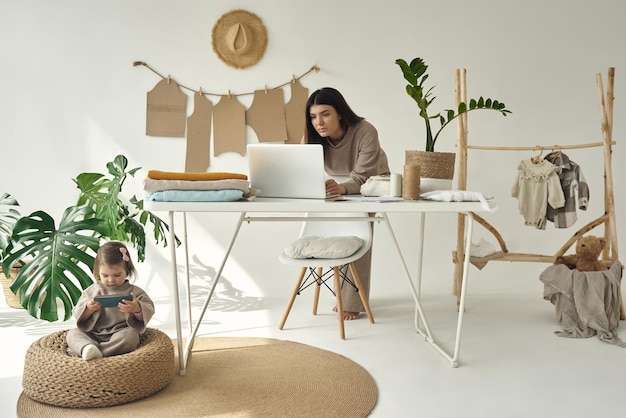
[(71, 100)]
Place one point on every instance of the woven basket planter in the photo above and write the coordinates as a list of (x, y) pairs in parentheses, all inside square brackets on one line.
[(436, 168), (54, 375), (12, 299), (434, 165)]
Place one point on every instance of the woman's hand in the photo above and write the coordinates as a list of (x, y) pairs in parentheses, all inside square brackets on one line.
[(130, 306), (332, 188)]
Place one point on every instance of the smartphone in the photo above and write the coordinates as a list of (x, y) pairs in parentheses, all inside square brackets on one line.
[(111, 301)]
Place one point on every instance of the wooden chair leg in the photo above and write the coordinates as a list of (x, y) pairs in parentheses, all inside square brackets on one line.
[(318, 285), (357, 281), (342, 332), (293, 298), (622, 314)]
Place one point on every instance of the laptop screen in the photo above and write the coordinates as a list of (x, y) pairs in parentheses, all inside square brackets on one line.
[(287, 170)]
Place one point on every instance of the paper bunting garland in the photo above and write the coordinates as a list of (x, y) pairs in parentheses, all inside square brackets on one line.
[(269, 117)]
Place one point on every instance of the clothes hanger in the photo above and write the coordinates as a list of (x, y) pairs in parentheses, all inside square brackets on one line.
[(537, 158), (554, 154)]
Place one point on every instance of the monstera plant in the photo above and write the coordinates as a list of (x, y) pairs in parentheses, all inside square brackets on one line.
[(58, 258), (8, 216)]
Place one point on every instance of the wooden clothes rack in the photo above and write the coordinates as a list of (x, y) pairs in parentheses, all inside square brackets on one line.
[(607, 219)]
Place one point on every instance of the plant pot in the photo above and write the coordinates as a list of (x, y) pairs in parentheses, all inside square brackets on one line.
[(12, 299), (436, 168)]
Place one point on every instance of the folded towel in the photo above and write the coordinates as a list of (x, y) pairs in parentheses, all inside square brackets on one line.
[(195, 196), (151, 185), (483, 249), (376, 186), (458, 196), (171, 175)]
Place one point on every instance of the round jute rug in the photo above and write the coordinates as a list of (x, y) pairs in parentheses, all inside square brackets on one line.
[(246, 377)]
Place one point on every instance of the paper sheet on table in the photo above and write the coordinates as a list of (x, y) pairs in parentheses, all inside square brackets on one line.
[(379, 199)]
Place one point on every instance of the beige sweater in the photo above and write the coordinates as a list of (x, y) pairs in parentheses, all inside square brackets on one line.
[(109, 320), (358, 156)]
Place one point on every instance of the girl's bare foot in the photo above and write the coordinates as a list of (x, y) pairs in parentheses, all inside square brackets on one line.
[(348, 316)]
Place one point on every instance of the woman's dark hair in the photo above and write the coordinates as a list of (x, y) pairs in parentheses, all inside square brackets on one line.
[(112, 253), (331, 97)]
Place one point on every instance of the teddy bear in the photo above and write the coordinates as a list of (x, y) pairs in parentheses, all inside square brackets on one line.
[(588, 249)]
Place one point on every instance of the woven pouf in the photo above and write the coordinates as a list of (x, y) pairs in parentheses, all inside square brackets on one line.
[(54, 375)]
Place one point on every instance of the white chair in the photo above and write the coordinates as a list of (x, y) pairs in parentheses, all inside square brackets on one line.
[(336, 233)]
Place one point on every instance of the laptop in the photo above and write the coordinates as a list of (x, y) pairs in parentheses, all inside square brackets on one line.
[(287, 170)]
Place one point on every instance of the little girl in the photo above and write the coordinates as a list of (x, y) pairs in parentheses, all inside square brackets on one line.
[(107, 331)]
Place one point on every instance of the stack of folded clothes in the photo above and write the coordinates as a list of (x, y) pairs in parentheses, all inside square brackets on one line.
[(167, 186)]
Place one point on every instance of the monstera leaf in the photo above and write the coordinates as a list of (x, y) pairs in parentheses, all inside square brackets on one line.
[(125, 222), (58, 261), (8, 216)]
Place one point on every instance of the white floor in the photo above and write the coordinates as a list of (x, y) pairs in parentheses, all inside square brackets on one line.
[(511, 363)]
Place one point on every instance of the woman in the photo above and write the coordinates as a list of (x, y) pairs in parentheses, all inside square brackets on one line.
[(351, 150)]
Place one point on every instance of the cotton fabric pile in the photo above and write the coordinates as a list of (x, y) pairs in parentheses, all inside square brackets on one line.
[(168, 186)]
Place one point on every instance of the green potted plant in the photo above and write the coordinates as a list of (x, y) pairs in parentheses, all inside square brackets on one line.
[(415, 74), (9, 214), (59, 259)]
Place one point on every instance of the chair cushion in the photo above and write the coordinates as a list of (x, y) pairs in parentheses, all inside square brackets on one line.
[(324, 247)]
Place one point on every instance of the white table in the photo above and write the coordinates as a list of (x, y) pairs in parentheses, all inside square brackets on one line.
[(283, 210)]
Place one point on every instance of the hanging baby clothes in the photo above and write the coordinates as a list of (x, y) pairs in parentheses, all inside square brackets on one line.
[(571, 178), (536, 186)]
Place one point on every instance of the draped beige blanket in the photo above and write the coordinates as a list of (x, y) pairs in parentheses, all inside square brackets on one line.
[(586, 303)]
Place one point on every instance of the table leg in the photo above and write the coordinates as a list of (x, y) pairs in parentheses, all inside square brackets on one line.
[(182, 360), (416, 296), (187, 279), (216, 279), (426, 332), (183, 352)]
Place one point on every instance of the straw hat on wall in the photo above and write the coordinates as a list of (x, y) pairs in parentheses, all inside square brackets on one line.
[(239, 38)]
